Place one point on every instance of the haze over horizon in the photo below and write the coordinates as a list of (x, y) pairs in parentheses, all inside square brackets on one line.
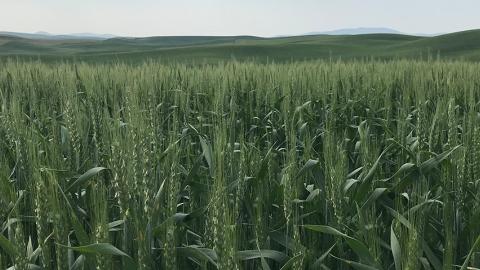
[(228, 17)]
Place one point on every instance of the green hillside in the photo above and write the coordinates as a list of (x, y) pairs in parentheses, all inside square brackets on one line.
[(460, 45)]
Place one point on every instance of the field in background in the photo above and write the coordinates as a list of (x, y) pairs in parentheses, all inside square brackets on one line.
[(319, 165), (462, 45)]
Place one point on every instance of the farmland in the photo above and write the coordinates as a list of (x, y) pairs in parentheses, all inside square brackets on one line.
[(199, 49), (240, 165)]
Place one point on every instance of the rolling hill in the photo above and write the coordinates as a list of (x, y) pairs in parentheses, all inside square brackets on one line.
[(460, 45), (358, 31), (47, 36)]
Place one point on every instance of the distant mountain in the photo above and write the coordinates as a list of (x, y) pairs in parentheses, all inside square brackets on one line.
[(357, 31), (38, 35), (41, 35), (92, 35), (369, 30)]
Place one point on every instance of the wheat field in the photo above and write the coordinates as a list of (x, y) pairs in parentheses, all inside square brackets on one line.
[(310, 165)]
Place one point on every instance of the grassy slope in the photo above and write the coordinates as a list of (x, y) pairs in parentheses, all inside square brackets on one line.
[(459, 45)]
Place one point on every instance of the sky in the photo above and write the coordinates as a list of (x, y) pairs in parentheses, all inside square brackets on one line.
[(235, 17)]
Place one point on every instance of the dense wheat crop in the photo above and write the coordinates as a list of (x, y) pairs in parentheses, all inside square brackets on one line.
[(320, 165)]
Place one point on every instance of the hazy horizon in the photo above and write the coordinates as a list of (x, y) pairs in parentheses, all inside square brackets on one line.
[(228, 17)]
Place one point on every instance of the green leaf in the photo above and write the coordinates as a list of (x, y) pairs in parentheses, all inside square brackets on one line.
[(283, 239), (354, 172), (302, 107), (425, 263), (467, 259), (358, 247), (356, 265), (207, 153), (12, 221), (375, 165), (77, 226), (7, 246), (348, 184), (399, 217), (362, 130), (178, 218), (263, 168), (277, 256), (361, 250), (159, 194), (396, 250), (29, 247), (405, 168), (366, 181), (99, 248), (113, 226), (79, 263), (374, 196), (21, 194), (318, 262), (415, 208), (434, 162), (264, 263), (85, 177), (308, 166), (203, 254), (310, 196), (35, 254), (437, 265), (170, 148), (116, 223), (30, 267), (325, 229), (292, 261)]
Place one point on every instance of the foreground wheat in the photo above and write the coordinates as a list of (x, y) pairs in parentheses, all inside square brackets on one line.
[(363, 165)]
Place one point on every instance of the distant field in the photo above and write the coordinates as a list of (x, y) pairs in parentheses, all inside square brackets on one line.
[(462, 45)]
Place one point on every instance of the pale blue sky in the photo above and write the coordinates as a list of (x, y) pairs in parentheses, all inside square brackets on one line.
[(235, 17)]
